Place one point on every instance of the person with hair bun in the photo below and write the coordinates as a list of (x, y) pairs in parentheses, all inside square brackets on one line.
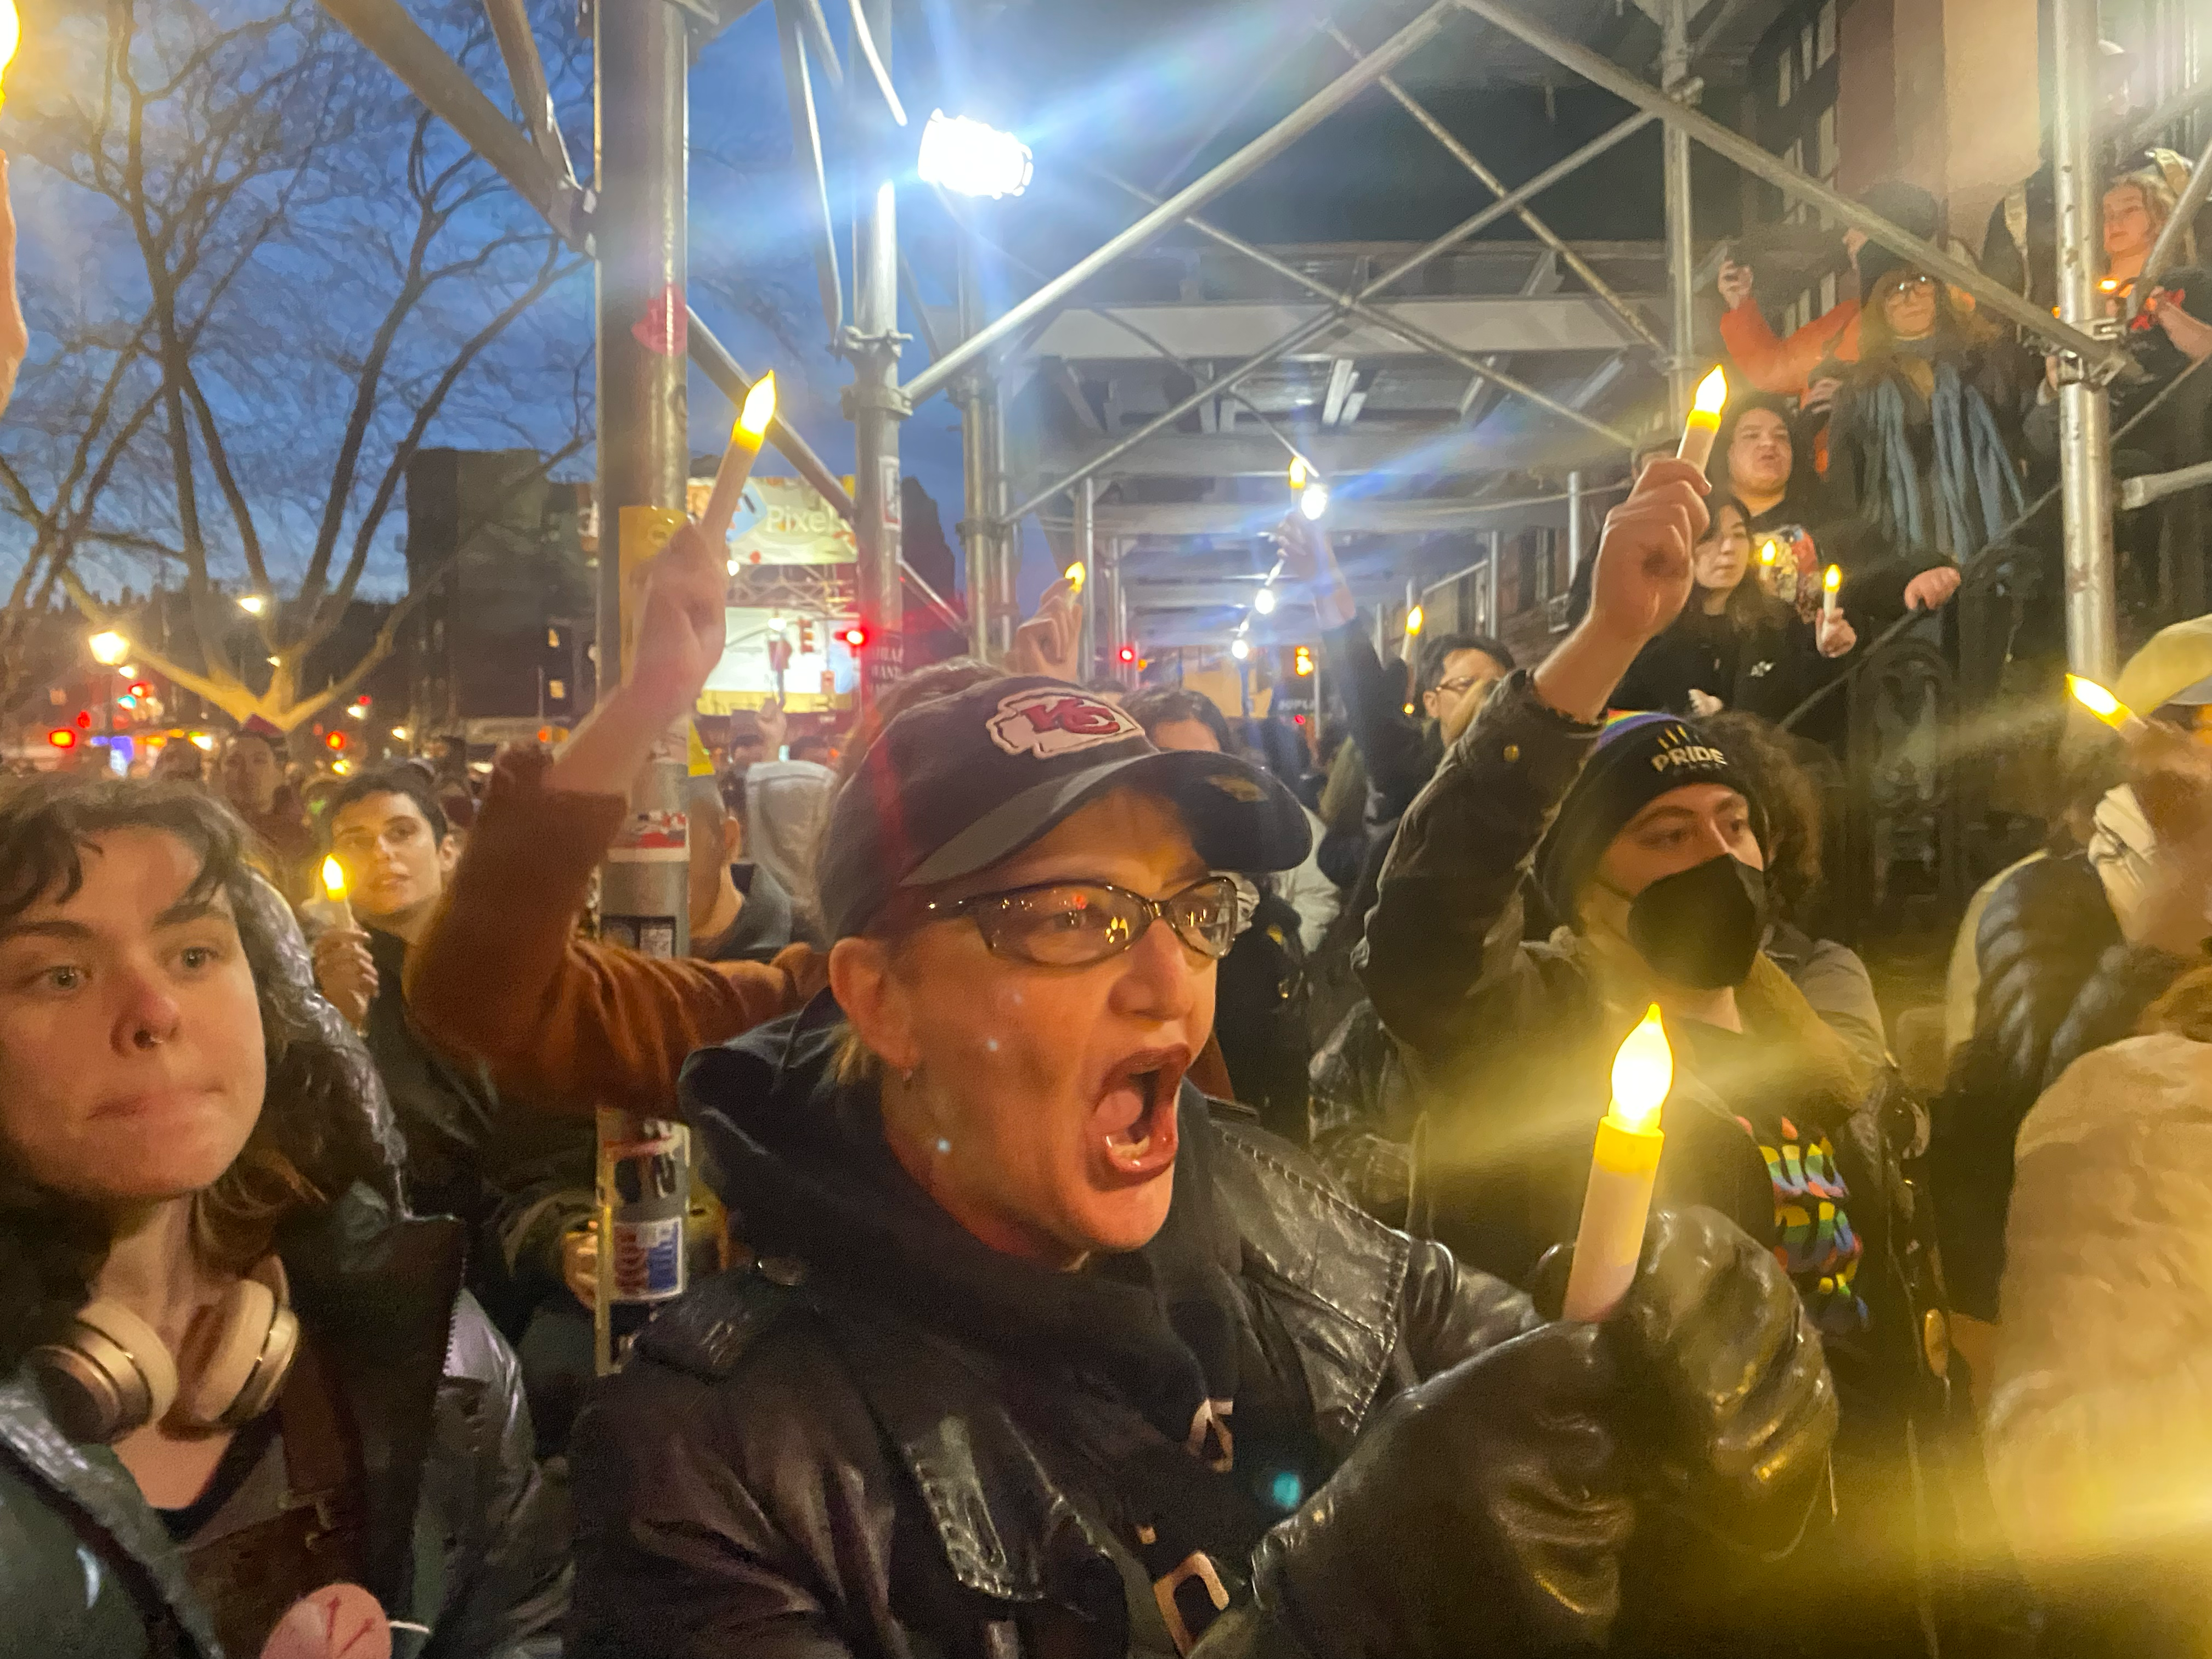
[(240, 1389)]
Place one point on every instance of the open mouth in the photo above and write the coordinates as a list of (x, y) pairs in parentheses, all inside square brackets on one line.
[(1134, 1122)]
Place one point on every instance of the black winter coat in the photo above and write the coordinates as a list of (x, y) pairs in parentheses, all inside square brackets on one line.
[(1508, 1044), (464, 1536), (793, 1467), (1756, 657), (2058, 981)]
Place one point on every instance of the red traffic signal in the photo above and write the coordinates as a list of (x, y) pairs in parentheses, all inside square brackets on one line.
[(62, 738), (140, 689), (84, 720), (1127, 653), (336, 740), (854, 635)]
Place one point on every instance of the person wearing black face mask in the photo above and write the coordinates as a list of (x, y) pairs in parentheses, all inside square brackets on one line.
[(1646, 838)]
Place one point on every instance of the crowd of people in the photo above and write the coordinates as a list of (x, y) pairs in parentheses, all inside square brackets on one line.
[(1138, 1153)]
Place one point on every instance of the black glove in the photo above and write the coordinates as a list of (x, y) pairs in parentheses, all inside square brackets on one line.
[(1713, 1328), (1483, 1513)]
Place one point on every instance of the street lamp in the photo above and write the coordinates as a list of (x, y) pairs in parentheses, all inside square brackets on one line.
[(108, 647), (253, 603), (1240, 649), (1264, 602), (1313, 500), (970, 159)]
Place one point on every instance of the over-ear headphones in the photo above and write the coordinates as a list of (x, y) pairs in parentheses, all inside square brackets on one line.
[(112, 1374)]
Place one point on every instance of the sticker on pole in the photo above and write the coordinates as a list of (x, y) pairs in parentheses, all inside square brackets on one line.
[(652, 838), (666, 327)]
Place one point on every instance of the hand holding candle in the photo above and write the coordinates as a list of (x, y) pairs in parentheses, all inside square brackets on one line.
[(745, 440), (2106, 707), (1622, 1174), (332, 910), (1704, 421)]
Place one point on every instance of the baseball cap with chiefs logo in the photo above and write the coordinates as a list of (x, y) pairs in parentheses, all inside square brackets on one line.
[(958, 783)]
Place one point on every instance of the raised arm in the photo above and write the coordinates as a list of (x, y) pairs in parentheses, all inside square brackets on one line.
[(1444, 938)]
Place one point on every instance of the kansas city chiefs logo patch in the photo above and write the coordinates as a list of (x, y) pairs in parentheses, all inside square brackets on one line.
[(1045, 723)]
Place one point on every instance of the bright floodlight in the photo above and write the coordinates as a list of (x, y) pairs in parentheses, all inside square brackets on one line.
[(109, 648), (1264, 602), (1239, 649), (1313, 500), (970, 159), (252, 604)]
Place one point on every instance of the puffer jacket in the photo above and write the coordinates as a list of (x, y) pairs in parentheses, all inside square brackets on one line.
[(464, 1536), (2057, 981), (2100, 1426), (796, 1463)]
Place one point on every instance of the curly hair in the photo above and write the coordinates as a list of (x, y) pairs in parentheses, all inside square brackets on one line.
[(313, 1138), (1792, 803)]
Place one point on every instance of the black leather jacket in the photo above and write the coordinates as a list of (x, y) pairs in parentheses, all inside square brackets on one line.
[(783, 1471)]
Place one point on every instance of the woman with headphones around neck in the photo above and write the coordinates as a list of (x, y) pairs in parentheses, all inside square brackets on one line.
[(233, 1377)]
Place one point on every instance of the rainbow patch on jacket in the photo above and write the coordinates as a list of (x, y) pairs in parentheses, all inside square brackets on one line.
[(1815, 1244)]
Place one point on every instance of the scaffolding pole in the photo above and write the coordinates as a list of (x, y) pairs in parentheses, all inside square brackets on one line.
[(2085, 412), (875, 405), (1681, 251), (1086, 554)]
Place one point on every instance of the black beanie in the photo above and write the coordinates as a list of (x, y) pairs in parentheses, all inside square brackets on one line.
[(1910, 208), (1636, 759)]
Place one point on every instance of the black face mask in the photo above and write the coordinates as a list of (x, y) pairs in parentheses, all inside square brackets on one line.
[(1701, 927)]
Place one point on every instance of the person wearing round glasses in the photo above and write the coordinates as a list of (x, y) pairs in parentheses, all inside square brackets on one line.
[(1043, 1352)]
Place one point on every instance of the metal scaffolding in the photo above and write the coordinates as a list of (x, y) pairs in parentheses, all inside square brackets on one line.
[(1368, 310)]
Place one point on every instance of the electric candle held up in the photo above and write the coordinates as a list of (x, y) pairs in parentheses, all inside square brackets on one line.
[(1704, 421), (2106, 706), (1622, 1174), (11, 35), (331, 909), (1831, 586), (745, 440)]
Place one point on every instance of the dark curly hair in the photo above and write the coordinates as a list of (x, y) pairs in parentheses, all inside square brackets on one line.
[(1792, 799), (323, 1125)]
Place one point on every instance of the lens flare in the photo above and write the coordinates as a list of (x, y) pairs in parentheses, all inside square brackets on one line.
[(970, 158)]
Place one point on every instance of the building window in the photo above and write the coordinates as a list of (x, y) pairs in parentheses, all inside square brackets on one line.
[(1782, 88), (558, 690), (553, 638), (1826, 25)]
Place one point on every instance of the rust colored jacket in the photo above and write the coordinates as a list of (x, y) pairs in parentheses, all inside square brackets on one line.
[(1784, 366), (502, 978)]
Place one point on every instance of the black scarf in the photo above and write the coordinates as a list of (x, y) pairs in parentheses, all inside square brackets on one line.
[(804, 1163)]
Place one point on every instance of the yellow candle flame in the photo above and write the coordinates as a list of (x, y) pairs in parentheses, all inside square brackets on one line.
[(1712, 393), (2098, 701), (334, 879), (759, 410), (11, 33), (1301, 474), (1834, 579), (1074, 575), (2110, 285), (1413, 620), (1768, 552), (1642, 1071)]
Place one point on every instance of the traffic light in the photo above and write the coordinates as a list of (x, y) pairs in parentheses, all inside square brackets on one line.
[(337, 740), (853, 634), (139, 689), (1127, 653), (1304, 660), (62, 738), (84, 720), (806, 636)]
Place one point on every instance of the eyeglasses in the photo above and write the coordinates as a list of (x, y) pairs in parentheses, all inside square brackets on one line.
[(1072, 924), (1918, 283), (1458, 683)]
